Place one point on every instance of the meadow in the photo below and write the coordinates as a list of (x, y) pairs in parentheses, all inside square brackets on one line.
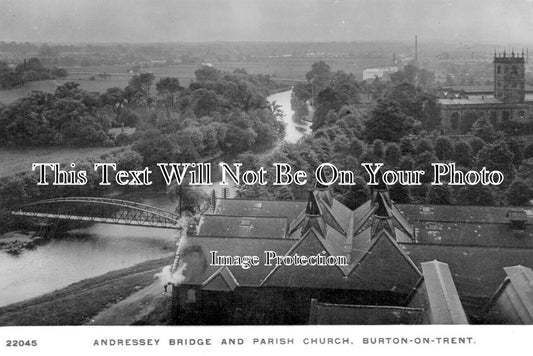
[(118, 75), (17, 160)]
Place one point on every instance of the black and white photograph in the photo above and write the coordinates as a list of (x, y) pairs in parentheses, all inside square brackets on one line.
[(253, 163)]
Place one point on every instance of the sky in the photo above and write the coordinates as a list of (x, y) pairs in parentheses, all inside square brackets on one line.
[(491, 21)]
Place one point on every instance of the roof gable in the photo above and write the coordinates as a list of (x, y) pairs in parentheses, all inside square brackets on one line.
[(222, 280)]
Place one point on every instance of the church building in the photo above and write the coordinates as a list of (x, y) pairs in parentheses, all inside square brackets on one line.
[(508, 101)]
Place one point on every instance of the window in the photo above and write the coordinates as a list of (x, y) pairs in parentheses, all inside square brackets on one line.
[(455, 121), (506, 115), (499, 69), (246, 222), (191, 296), (258, 205)]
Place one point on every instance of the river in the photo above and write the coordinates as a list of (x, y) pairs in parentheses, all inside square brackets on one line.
[(100, 248), (293, 130)]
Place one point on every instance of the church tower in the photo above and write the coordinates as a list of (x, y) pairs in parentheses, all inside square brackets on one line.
[(509, 77)]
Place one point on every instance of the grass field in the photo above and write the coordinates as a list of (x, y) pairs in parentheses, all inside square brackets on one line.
[(118, 76), (13, 161)]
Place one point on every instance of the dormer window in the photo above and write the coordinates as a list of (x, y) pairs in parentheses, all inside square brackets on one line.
[(427, 210)]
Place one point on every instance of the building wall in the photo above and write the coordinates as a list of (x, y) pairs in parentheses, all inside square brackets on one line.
[(452, 115), (264, 305)]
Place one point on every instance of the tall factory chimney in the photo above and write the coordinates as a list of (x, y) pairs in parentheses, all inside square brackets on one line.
[(416, 48)]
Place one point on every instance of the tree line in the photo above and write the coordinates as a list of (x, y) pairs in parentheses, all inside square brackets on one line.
[(27, 71)]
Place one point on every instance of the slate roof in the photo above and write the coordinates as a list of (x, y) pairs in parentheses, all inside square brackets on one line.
[(243, 207), (455, 213), (239, 226), (476, 271), (381, 265), (466, 225), (231, 246), (476, 243)]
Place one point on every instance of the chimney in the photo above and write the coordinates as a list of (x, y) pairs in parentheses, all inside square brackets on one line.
[(323, 192), (312, 208), (416, 48), (382, 219), (313, 217), (517, 219), (380, 189)]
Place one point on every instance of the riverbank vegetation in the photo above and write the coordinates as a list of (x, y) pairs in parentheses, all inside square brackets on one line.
[(219, 113), (79, 302), (400, 127)]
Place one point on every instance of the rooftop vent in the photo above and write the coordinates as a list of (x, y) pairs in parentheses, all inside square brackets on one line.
[(517, 219)]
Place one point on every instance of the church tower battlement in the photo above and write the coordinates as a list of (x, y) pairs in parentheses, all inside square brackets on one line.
[(509, 77)]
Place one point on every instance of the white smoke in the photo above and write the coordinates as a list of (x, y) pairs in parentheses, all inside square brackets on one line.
[(166, 276), (173, 274)]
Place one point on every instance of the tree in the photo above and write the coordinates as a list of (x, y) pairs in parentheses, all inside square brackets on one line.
[(424, 145), (128, 118), (443, 148), (138, 88), (393, 154), (497, 156), (400, 194), (387, 123), (406, 164), (475, 195), (58, 72), (483, 129), (168, 85), (476, 144), (354, 195), (207, 73), (155, 147), (463, 153), (439, 195), (378, 148), (406, 144), (528, 151), (517, 148), (203, 102), (467, 122), (519, 193)]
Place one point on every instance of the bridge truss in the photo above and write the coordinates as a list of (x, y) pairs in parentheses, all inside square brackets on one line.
[(101, 210)]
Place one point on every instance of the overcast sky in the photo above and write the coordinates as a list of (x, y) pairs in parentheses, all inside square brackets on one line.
[(490, 21)]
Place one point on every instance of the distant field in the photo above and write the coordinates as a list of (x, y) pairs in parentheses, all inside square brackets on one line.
[(13, 161), (118, 76)]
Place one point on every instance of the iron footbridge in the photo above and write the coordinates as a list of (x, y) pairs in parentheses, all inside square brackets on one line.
[(99, 210)]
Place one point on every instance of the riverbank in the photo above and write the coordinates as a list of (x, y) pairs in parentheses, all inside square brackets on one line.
[(15, 242), (78, 303)]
